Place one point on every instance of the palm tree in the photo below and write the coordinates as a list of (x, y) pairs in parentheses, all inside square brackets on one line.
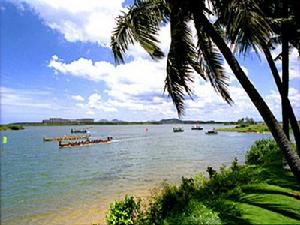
[(285, 21), (285, 15), (141, 23), (241, 19)]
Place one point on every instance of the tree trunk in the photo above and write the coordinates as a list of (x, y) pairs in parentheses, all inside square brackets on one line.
[(285, 83), (291, 156), (291, 114)]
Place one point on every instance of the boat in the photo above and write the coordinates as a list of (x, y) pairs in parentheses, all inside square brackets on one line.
[(65, 138), (213, 131), (74, 131), (89, 141), (178, 129), (196, 127)]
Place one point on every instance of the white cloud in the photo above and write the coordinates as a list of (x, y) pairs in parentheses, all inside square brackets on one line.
[(78, 98), (138, 86), (23, 98), (28, 105), (96, 105), (134, 78), (294, 64), (78, 20)]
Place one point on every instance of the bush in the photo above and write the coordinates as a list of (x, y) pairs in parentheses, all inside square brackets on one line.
[(170, 201), (123, 212), (242, 126), (265, 151), (195, 213)]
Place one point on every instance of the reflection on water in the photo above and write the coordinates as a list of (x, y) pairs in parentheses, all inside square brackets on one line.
[(41, 184)]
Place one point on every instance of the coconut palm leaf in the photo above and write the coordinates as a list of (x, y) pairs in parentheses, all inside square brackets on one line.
[(181, 59), (212, 61), (140, 24), (244, 22)]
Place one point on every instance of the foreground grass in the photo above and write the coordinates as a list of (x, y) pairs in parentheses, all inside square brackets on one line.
[(260, 192), (11, 127)]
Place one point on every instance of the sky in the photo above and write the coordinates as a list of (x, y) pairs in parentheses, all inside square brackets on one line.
[(56, 62)]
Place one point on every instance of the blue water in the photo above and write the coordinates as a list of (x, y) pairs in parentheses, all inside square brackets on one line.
[(41, 184)]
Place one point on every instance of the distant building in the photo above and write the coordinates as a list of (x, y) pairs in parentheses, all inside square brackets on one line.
[(85, 120), (68, 121), (56, 121)]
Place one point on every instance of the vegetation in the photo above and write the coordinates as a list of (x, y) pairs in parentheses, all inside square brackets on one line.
[(259, 192), (11, 127), (246, 121), (248, 128), (245, 128), (123, 212), (142, 21)]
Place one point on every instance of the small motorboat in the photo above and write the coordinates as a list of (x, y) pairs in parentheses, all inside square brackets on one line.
[(178, 129), (196, 127), (74, 131), (213, 131)]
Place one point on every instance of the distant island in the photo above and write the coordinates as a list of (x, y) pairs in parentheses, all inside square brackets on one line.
[(88, 121), (11, 127)]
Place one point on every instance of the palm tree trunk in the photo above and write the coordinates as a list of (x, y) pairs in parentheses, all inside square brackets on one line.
[(291, 114), (285, 83), (285, 70), (291, 156)]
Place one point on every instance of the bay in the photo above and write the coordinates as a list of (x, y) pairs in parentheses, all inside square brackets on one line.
[(42, 184)]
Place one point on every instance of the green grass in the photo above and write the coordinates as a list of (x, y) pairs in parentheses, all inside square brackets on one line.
[(248, 128), (259, 215), (11, 127), (253, 128)]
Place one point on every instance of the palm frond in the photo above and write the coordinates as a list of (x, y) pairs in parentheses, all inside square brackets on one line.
[(244, 22), (141, 24), (212, 61), (121, 37), (181, 60)]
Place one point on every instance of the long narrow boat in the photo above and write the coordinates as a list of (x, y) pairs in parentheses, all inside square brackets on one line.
[(66, 138), (85, 142)]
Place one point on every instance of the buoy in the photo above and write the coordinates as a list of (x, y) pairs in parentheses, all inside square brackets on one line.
[(4, 140)]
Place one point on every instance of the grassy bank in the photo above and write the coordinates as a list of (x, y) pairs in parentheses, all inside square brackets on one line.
[(11, 127), (259, 192), (251, 128)]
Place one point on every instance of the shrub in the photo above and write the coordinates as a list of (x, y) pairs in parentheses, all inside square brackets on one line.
[(123, 212), (171, 200), (195, 213), (265, 151)]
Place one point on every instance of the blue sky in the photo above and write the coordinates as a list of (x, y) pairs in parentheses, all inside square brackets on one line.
[(56, 62)]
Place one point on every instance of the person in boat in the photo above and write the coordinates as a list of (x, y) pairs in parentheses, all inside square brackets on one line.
[(109, 138)]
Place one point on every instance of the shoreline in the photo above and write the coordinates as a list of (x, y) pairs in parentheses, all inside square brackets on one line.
[(83, 213)]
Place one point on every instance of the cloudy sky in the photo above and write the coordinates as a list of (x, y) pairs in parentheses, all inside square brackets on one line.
[(56, 62)]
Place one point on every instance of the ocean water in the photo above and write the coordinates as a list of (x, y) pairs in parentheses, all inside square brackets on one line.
[(41, 184)]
